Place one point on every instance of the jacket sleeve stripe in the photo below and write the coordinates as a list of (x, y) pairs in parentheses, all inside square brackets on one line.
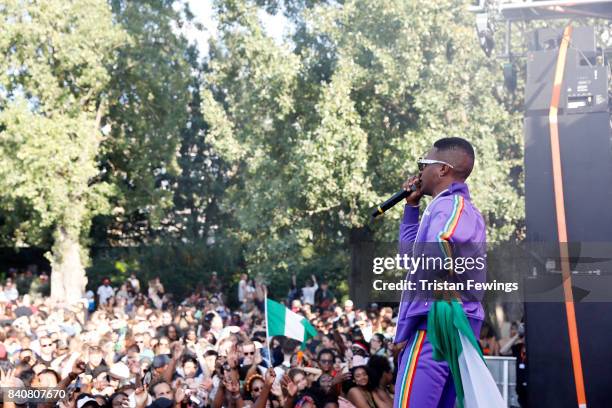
[(450, 227), (451, 224)]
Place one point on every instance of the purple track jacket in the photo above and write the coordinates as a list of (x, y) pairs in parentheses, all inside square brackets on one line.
[(450, 228)]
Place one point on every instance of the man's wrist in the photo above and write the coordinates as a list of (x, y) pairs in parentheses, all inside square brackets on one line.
[(411, 214)]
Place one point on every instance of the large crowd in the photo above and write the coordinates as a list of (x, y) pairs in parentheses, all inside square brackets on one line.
[(134, 346)]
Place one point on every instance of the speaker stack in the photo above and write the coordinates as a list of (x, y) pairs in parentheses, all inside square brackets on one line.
[(586, 162)]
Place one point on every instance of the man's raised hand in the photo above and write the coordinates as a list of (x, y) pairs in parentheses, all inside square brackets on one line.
[(415, 196)]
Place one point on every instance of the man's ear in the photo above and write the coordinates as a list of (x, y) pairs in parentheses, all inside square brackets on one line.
[(443, 171)]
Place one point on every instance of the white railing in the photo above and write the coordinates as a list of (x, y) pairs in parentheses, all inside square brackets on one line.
[(503, 370)]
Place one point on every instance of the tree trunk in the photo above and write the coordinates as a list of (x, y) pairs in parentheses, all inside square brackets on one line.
[(68, 278), (360, 277)]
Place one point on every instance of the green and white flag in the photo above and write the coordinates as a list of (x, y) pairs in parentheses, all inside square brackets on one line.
[(283, 322), (453, 341)]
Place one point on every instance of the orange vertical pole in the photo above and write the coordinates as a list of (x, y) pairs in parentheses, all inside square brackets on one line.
[(561, 223)]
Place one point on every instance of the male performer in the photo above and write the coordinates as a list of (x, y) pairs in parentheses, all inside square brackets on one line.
[(450, 227)]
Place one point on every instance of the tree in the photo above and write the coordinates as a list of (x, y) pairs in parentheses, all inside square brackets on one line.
[(322, 129), (53, 79), (194, 216), (93, 98), (151, 92)]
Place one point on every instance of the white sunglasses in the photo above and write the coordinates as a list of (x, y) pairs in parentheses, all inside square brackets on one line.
[(422, 163)]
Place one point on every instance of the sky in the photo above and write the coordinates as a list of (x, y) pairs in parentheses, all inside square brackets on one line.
[(275, 26)]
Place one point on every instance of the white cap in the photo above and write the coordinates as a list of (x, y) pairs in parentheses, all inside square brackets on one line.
[(84, 401), (120, 371)]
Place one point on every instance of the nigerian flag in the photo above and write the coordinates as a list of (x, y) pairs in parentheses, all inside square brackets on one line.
[(283, 322), (453, 341)]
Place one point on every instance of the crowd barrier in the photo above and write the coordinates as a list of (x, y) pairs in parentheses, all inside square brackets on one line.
[(503, 370)]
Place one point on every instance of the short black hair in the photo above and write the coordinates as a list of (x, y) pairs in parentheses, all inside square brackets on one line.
[(115, 395), (378, 365), (155, 383), (58, 378), (27, 375), (326, 351), (187, 358), (347, 385), (289, 345), (455, 143), (134, 347)]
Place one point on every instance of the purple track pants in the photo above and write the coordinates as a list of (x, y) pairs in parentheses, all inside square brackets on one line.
[(421, 381)]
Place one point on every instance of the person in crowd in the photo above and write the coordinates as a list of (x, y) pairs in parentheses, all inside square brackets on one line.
[(349, 313), (297, 389), (359, 390), (488, 341), (519, 351), (255, 391), (294, 292), (10, 291), (214, 286), (47, 350), (324, 297), (134, 282), (506, 343), (326, 362), (95, 361), (308, 291), (242, 288), (378, 345), (105, 292), (381, 379), (198, 352)]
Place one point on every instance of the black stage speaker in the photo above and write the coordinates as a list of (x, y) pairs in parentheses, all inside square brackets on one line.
[(586, 159)]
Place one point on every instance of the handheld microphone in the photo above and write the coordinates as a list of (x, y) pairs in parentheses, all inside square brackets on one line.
[(395, 198)]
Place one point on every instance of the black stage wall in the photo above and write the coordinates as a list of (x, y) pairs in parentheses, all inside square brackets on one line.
[(586, 157)]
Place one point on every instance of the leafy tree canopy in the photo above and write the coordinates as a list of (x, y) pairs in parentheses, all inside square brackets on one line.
[(322, 128)]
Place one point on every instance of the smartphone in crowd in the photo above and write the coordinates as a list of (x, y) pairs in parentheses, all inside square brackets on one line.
[(146, 380), (78, 384)]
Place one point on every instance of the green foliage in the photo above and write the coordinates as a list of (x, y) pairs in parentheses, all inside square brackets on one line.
[(150, 95), (322, 128), (52, 81), (93, 98), (270, 154), (195, 214), (181, 268)]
